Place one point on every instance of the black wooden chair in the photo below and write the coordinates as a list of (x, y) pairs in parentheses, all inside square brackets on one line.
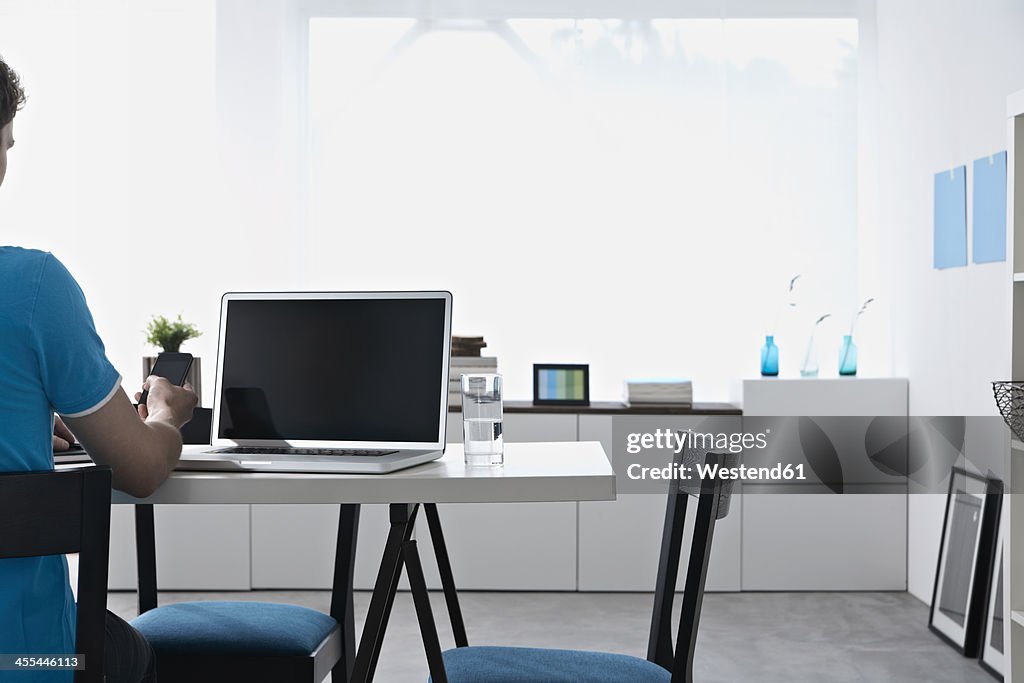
[(55, 513), (664, 664), (222, 641)]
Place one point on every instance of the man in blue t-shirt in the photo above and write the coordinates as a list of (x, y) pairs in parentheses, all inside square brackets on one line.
[(54, 372)]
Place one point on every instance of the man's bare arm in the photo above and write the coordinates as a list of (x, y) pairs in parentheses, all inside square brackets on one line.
[(140, 452)]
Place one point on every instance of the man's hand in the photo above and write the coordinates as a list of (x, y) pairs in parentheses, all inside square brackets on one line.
[(140, 452), (62, 436), (167, 402)]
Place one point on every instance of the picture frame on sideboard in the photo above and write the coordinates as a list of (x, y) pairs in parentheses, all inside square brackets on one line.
[(561, 384)]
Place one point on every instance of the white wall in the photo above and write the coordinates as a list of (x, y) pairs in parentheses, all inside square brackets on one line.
[(944, 70), (155, 157), (640, 212), (115, 168), (159, 157)]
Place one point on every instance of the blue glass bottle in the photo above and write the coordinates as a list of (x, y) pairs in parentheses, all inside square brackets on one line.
[(848, 357), (769, 357)]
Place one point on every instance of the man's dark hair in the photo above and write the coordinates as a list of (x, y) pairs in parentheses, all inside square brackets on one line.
[(12, 95)]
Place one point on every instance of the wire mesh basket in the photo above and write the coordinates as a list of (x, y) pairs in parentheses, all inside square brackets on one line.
[(1010, 401)]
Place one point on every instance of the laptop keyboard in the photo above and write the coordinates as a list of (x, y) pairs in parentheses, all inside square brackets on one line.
[(250, 450)]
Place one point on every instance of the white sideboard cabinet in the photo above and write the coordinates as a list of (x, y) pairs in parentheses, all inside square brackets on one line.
[(619, 541), (198, 547), (770, 541), (493, 546), (824, 541)]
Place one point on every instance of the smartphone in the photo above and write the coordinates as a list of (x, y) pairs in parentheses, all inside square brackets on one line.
[(173, 367)]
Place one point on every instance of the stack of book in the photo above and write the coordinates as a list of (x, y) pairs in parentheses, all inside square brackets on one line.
[(467, 346), (466, 360), (659, 392)]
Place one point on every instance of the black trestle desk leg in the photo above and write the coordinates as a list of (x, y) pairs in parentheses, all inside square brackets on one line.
[(145, 556), (342, 608), (403, 517), (424, 614), (444, 567)]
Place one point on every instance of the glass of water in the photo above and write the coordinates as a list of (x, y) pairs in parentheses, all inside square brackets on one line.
[(481, 419)]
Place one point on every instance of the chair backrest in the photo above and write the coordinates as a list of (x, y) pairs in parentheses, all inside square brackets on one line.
[(712, 497), (55, 513)]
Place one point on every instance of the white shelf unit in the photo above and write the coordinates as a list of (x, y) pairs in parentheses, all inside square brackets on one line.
[(1013, 507)]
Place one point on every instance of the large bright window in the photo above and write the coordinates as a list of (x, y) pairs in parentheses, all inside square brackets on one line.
[(630, 194)]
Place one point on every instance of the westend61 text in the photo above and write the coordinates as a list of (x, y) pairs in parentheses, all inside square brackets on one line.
[(703, 471)]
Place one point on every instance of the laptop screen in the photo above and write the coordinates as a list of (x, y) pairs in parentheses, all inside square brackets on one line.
[(347, 369)]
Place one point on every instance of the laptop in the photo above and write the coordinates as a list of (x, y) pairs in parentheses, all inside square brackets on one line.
[(353, 382)]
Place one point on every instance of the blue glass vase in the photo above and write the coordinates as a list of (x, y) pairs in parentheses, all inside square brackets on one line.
[(769, 357), (848, 357)]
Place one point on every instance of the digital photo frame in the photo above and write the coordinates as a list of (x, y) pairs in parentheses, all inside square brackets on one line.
[(561, 385)]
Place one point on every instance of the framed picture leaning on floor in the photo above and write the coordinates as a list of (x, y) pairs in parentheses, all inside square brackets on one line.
[(965, 560), (992, 655)]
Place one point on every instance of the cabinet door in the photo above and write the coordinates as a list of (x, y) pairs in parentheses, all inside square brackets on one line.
[(620, 540), (285, 559), (490, 544), (509, 546), (121, 571), (198, 547), (824, 542), (293, 546), (804, 537)]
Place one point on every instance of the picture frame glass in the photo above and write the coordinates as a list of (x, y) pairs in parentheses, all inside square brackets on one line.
[(561, 384), (951, 614)]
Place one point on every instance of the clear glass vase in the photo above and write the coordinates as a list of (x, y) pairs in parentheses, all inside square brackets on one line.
[(809, 368)]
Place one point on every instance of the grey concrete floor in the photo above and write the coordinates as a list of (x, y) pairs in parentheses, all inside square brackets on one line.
[(763, 637)]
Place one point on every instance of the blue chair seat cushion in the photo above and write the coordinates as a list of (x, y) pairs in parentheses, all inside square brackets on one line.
[(234, 628), (537, 665)]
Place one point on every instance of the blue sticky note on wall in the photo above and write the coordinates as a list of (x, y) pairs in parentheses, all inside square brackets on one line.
[(989, 209), (951, 218)]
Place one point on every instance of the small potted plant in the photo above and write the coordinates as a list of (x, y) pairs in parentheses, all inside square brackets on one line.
[(169, 335)]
